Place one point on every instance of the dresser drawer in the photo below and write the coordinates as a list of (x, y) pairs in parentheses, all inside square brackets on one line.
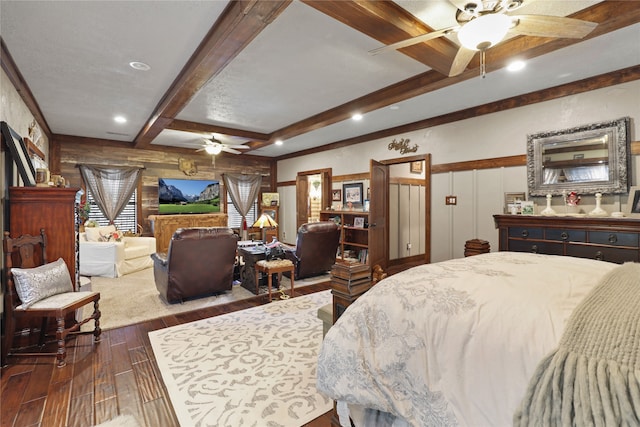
[(617, 255), (550, 248), (565, 235), (614, 239), (525, 232)]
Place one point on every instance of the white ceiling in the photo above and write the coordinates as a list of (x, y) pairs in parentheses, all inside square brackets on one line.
[(74, 57)]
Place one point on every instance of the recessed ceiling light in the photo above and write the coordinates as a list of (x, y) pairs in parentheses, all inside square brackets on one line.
[(279, 142), (140, 66), (357, 117), (120, 119), (394, 107), (516, 66)]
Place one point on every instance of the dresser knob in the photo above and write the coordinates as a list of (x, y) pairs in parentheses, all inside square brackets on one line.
[(525, 233), (599, 256), (613, 238), (564, 235), (534, 249)]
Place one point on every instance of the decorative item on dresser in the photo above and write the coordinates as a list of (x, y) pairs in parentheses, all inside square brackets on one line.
[(607, 239)]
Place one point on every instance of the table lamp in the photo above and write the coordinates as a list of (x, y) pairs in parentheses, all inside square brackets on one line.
[(264, 222)]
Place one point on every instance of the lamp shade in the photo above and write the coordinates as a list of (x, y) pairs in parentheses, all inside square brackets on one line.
[(265, 221), (485, 31)]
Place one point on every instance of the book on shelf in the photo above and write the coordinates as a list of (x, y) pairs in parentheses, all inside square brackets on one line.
[(350, 271), (350, 287)]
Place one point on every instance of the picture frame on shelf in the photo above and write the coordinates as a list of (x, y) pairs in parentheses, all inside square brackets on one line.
[(358, 222), (353, 193), (633, 203), (336, 195), (270, 199), (513, 199), (416, 167), (19, 154)]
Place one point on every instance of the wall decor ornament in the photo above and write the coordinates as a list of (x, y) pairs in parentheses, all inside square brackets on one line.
[(403, 146), (188, 167)]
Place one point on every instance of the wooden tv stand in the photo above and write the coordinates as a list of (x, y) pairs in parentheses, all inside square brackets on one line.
[(163, 226)]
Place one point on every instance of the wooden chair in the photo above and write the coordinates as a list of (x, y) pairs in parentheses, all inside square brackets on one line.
[(29, 252)]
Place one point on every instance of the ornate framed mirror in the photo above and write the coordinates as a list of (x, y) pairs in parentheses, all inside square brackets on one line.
[(587, 159)]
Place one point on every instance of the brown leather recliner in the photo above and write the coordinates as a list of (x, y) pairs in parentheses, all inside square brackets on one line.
[(199, 262), (316, 247)]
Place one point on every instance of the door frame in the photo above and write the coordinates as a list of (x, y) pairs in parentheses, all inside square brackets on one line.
[(427, 198), (301, 205)]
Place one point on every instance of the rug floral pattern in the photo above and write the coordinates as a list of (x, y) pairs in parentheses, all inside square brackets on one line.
[(255, 367)]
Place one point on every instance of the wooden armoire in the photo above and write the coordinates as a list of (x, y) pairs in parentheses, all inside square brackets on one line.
[(51, 208)]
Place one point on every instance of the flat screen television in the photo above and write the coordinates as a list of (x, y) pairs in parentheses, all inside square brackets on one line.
[(188, 196)]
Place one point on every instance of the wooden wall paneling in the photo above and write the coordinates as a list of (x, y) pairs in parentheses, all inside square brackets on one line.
[(158, 162)]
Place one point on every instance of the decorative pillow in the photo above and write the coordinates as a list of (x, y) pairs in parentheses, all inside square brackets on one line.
[(35, 284), (94, 234), (113, 236)]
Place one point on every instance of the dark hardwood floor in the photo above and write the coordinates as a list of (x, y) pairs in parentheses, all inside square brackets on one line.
[(117, 376)]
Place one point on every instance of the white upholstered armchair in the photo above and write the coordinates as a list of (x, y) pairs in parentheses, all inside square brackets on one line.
[(102, 256)]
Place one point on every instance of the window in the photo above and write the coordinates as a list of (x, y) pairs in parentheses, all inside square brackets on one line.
[(127, 220), (235, 219)]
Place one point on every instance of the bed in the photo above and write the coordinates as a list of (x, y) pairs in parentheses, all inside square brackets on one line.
[(459, 342)]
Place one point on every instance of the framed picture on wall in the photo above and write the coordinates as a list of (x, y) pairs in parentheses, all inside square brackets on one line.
[(353, 193), (416, 167), (633, 204), (336, 195), (19, 154)]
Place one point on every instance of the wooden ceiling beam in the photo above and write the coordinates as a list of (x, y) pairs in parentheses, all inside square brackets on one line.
[(389, 23), (610, 15), (581, 86), (238, 25), (187, 126), (18, 81)]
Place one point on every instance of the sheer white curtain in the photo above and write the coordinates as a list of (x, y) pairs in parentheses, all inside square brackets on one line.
[(243, 190), (110, 186)]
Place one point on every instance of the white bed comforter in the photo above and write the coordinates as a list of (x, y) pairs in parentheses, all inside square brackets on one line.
[(455, 342)]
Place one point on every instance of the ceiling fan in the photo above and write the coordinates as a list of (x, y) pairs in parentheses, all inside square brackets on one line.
[(214, 147), (485, 23)]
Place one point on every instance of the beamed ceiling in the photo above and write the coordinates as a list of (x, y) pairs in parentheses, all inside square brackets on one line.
[(252, 72)]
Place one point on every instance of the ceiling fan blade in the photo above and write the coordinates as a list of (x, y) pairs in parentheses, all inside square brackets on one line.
[(231, 150), (239, 147), (552, 26), (415, 40), (460, 62)]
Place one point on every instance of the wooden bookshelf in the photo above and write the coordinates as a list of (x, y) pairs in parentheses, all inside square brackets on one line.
[(354, 234)]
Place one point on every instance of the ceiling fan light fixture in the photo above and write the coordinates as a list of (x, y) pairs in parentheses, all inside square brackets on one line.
[(213, 149), (485, 31)]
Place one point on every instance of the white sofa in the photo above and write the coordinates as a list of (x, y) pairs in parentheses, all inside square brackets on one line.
[(113, 258)]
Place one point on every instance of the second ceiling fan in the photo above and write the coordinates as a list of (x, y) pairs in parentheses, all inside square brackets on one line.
[(483, 24), (214, 147)]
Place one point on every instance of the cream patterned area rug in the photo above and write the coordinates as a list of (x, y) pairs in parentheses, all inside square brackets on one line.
[(133, 298), (255, 367)]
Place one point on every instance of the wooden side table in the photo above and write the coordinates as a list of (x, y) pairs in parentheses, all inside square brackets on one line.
[(272, 267)]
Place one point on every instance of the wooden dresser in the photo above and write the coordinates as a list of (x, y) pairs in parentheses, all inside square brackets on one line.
[(33, 208), (607, 239), (164, 226)]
